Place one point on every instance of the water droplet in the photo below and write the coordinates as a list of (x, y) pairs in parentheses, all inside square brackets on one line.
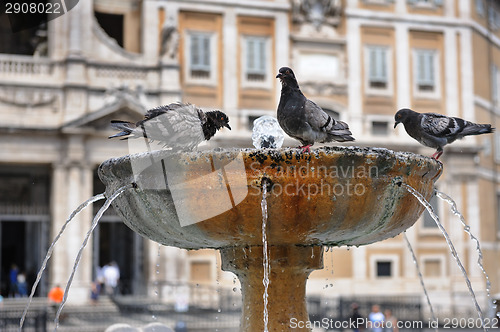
[(267, 133)]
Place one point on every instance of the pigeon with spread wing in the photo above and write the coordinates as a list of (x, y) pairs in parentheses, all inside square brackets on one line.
[(177, 126)]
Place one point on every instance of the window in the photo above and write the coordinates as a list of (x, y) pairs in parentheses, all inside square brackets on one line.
[(256, 58), (498, 215), (379, 2), (112, 24), (378, 69), (432, 268), (201, 58), (26, 41), (426, 3), (384, 269), (384, 266), (426, 74), (256, 62), (495, 85), (380, 128), (494, 18), (428, 221), (200, 55), (425, 70), (480, 7)]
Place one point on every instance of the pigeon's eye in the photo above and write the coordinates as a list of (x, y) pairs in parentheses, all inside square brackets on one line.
[(287, 72)]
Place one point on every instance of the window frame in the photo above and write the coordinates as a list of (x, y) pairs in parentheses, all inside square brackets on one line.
[(495, 85)]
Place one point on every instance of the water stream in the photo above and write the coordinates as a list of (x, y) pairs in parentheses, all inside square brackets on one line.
[(421, 277), (51, 249), (79, 256), (454, 253), (455, 211), (265, 279)]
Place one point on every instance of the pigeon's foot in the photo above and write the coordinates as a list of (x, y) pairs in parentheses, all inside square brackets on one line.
[(306, 148), (437, 154)]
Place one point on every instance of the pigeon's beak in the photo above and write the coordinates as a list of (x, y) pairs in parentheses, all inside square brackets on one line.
[(397, 122), (227, 126), (280, 75)]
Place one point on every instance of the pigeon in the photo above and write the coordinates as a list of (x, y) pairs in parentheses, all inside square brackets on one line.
[(302, 119), (177, 126), (436, 130)]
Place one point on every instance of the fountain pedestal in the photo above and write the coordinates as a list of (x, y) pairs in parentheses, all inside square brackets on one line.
[(212, 199), (290, 267)]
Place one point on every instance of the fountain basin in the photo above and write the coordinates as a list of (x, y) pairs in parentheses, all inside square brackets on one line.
[(332, 196), (212, 199)]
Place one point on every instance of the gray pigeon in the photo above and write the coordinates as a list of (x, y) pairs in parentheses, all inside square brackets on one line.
[(302, 119), (177, 126), (436, 130)]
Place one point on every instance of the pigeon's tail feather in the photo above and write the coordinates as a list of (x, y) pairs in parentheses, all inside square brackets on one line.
[(126, 128), (339, 131), (476, 129)]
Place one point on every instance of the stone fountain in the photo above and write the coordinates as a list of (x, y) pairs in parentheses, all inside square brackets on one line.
[(212, 199)]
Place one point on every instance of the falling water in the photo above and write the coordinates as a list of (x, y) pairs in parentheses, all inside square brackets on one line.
[(433, 315), (51, 249), (157, 276), (79, 256), (455, 211), (454, 253), (265, 279)]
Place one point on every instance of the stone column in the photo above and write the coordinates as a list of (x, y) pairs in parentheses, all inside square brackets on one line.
[(75, 81), (170, 85), (403, 66), (58, 203), (354, 74), (230, 56), (290, 267), (71, 186)]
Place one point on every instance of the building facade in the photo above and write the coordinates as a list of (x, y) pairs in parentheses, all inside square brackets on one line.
[(360, 60)]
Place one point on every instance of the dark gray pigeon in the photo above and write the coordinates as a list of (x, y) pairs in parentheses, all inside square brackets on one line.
[(177, 126), (436, 130), (302, 119)]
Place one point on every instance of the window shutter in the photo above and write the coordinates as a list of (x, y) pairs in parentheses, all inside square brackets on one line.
[(206, 52), (262, 56), (200, 52), (495, 74), (378, 64), (195, 56), (250, 55), (256, 55), (425, 68), (480, 7)]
